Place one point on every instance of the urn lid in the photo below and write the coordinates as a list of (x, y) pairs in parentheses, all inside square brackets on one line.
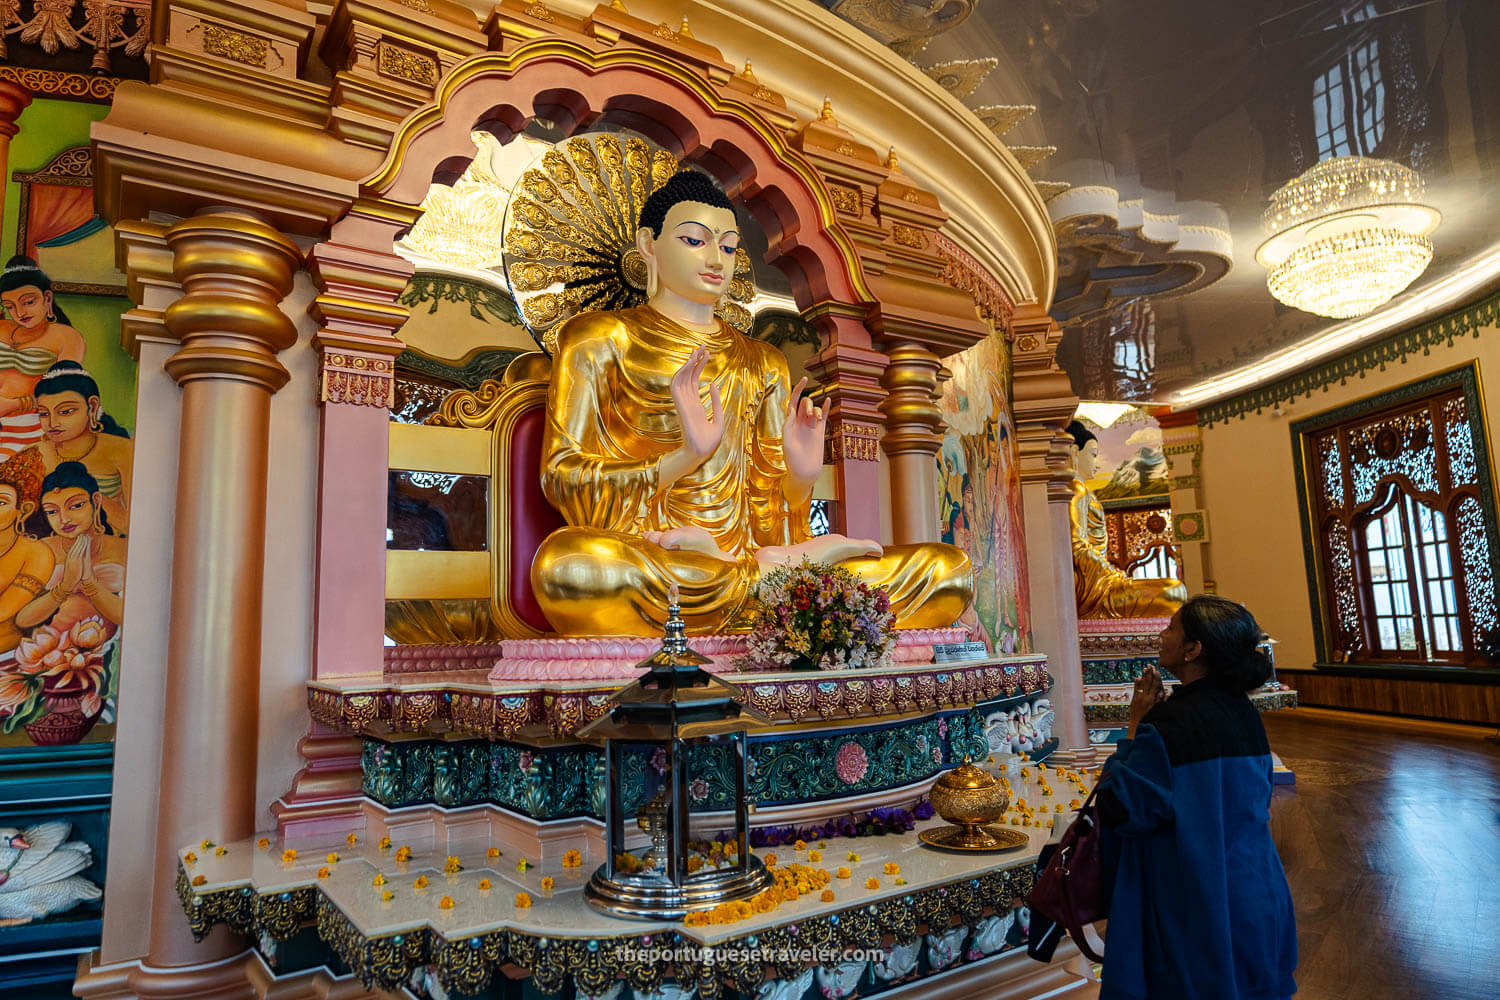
[(967, 776)]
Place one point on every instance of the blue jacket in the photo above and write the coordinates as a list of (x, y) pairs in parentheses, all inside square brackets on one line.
[(1200, 908)]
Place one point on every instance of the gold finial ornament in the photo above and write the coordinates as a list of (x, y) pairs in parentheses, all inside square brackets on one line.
[(891, 163), (827, 113), (749, 73), (683, 31), (570, 233), (617, 5)]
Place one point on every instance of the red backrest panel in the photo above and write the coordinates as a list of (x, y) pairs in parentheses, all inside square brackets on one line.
[(532, 518)]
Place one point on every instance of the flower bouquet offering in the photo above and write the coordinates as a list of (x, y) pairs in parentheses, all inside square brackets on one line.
[(819, 617), (58, 682)]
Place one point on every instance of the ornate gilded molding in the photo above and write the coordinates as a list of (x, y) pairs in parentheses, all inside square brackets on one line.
[(963, 272), (404, 64), (238, 46), (360, 379), (860, 442), (1394, 349), (68, 86)]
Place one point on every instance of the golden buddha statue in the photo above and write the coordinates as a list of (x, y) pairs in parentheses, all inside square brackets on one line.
[(1102, 588), (679, 453)]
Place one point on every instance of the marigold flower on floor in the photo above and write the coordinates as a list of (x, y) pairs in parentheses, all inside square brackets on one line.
[(572, 859), (852, 857), (872, 883), (770, 859), (388, 895), (205, 845), (379, 880), (827, 896), (446, 903), (351, 840), (263, 843), (420, 883), (484, 885), (522, 865), (522, 900), (289, 855), (324, 872), (190, 858), (385, 843), (492, 853), (547, 883), (403, 853), (219, 852), (452, 865), (800, 845), (333, 859), (842, 873), (199, 880), (815, 855), (891, 868)]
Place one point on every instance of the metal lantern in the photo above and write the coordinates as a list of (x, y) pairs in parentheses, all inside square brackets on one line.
[(670, 719)]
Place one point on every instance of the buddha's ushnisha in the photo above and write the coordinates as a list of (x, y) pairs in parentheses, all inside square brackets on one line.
[(680, 454)]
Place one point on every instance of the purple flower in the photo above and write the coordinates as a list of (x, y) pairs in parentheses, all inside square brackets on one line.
[(659, 760), (942, 729), (698, 790), (923, 810)]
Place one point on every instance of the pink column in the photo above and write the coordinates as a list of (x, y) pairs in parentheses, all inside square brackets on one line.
[(357, 347), (851, 370)]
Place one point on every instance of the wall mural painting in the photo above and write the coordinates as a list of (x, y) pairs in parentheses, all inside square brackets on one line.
[(1131, 466), (66, 401), (980, 492)]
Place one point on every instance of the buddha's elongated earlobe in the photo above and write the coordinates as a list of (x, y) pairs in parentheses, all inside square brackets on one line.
[(651, 282)]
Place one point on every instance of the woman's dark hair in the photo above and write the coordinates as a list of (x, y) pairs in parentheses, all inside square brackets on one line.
[(1229, 635), (686, 185), (69, 376), (21, 271), (1080, 434), (75, 476)]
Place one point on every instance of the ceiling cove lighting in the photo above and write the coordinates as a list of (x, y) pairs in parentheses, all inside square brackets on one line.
[(1346, 236), (1434, 299)]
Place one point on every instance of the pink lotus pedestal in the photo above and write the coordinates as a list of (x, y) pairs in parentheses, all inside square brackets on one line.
[(618, 657)]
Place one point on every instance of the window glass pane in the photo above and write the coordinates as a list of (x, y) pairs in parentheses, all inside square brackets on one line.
[(1382, 595), (1387, 634)]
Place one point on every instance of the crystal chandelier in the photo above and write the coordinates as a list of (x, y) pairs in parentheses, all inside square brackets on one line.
[(1346, 236)]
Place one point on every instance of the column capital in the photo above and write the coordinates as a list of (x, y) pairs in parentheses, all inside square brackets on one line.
[(358, 305), (13, 100), (234, 270), (1042, 401)]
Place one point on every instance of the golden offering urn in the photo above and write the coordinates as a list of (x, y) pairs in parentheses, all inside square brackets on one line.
[(972, 800), (654, 726)]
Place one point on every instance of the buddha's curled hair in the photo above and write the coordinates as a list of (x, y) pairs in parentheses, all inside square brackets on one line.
[(685, 185)]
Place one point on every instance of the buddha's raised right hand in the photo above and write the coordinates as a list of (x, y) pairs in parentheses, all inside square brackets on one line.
[(701, 431)]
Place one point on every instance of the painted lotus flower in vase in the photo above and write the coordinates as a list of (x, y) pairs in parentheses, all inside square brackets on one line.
[(58, 682)]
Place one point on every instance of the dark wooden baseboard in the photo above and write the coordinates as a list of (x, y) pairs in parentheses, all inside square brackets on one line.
[(1425, 699)]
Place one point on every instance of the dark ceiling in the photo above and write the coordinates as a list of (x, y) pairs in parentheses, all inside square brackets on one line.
[(1212, 101)]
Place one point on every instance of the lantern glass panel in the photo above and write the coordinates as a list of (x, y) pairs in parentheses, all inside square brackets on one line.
[(712, 796)]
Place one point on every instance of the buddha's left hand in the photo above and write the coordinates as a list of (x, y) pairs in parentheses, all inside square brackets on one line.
[(802, 436)]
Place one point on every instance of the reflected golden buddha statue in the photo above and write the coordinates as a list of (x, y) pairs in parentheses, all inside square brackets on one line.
[(1102, 588), (679, 453)]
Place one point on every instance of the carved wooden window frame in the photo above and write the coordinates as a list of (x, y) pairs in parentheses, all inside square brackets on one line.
[(1472, 500)]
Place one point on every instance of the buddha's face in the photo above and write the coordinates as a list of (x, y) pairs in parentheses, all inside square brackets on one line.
[(71, 511), (27, 305), (65, 415), (694, 255), (12, 512), (1087, 460)]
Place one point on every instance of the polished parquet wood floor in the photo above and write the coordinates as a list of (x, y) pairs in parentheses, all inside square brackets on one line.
[(1391, 844)]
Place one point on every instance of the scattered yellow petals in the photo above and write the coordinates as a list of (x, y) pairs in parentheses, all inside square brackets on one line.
[(351, 840), (219, 852), (522, 865), (822, 843), (852, 857), (492, 853), (1074, 804), (800, 845), (190, 858), (263, 843), (547, 883), (522, 901), (199, 880), (388, 895), (205, 845), (452, 865), (900, 881), (872, 883), (379, 880), (891, 868), (770, 859), (446, 903), (815, 855), (484, 885), (420, 883), (289, 855), (403, 853), (827, 896), (385, 843), (333, 858), (1004, 768), (842, 873), (324, 872)]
